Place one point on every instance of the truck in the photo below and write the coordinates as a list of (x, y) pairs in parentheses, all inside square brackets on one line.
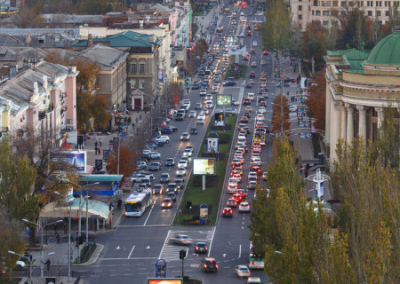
[(259, 137)]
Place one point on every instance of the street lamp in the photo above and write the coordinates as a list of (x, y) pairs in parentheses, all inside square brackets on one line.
[(69, 238), (41, 242), (30, 263)]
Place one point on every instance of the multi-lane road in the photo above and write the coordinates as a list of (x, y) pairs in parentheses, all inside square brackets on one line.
[(132, 250)]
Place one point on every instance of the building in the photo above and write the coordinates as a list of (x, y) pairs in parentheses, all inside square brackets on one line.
[(112, 72), (40, 100), (359, 86), (304, 12), (142, 62)]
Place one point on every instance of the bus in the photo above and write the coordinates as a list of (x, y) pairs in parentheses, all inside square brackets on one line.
[(227, 11), (137, 203), (259, 137), (256, 261), (220, 31)]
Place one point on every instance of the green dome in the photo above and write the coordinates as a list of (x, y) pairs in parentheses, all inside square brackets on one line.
[(386, 51)]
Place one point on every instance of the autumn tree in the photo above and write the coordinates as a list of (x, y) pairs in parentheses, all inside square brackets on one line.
[(280, 114), (316, 100), (314, 43), (353, 33), (126, 162)]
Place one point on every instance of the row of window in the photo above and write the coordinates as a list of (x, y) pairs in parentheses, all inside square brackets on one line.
[(326, 13), (137, 83), (352, 3), (133, 68)]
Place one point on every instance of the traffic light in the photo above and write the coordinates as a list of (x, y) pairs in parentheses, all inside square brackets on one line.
[(182, 254), (189, 205)]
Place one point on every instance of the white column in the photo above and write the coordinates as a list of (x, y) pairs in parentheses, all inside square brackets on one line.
[(343, 118), (328, 110), (350, 123), (379, 110), (362, 123), (335, 120)]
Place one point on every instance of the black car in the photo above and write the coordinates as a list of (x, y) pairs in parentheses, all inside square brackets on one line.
[(164, 178), (179, 117), (155, 166), (195, 86), (158, 189), (172, 187), (193, 131), (209, 264), (170, 162), (179, 183), (171, 195), (227, 212), (201, 247), (246, 102), (229, 84), (252, 74)]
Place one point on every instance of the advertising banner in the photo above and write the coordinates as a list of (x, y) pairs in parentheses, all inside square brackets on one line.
[(219, 118), (165, 281), (204, 213), (204, 166), (212, 145), (77, 160), (224, 100)]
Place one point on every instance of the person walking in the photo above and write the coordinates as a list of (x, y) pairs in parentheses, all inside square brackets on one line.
[(99, 149), (95, 150)]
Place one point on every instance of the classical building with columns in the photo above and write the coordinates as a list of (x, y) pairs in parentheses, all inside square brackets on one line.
[(359, 86)]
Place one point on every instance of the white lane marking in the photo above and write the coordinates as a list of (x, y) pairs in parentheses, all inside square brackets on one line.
[(165, 243), (132, 258), (240, 251), (212, 239), (129, 256), (151, 210)]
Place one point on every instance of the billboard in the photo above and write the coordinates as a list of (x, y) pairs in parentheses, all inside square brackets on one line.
[(219, 117), (204, 166), (224, 100), (212, 145), (165, 281), (76, 159)]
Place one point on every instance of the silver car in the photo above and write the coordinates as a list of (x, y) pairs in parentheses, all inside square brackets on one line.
[(183, 240)]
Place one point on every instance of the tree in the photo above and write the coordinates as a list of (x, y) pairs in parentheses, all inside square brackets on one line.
[(353, 33), (317, 99), (314, 43), (280, 114), (125, 161)]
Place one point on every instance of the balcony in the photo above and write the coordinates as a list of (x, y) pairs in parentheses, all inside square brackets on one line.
[(42, 115), (50, 108)]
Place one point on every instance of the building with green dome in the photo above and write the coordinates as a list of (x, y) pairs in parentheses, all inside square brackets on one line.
[(359, 86)]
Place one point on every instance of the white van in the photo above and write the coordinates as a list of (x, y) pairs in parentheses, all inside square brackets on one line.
[(255, 43), (241, 13)]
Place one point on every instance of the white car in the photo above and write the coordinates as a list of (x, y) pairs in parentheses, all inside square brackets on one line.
[(262, 110), (242, 271), (251, 96), (235, 102), (200, 121), (252, 174), (260, 117), (254, 280), (242, 138), (256, 160), (244, 206), (188, 152), (203, 92), (181, 171), (201, 116), (182, 240), (163, 139), (182, 164), (208, 97), (293, 108), (205, 111), (192, 113), (209, 104)]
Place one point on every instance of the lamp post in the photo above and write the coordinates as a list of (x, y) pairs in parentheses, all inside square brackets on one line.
[(41, 242), (30, 264), (69, 238)]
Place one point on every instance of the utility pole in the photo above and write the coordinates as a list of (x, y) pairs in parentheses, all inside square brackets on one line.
[(69, 243)]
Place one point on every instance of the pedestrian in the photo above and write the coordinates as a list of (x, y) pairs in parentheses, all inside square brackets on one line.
[(95, 150), (136, 120), (48, 264), (58, 238), (99, 150), (100, 142), (95, 144), (133, 125), (119, 204), (65, 227), (55, 229)]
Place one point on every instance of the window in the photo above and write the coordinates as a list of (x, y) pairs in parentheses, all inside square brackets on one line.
[(133, 83), (141, 68), (325, 13), (343, 4), (318, 13), (378, 13), (315, 3), (370, 13), (325, 23), (300, 17), (133, 68), (335, 3), (300, 8), (351, 4), (387, 13), (312, 12), (328, 3), (141, 83)]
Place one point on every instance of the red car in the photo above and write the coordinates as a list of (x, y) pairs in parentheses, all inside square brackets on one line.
[(242, 193), (249, 33), (248, 27), (246, 58), (254, 167), (265, 52), (237, 197), (236, 171), (257, 28), (252, 51)]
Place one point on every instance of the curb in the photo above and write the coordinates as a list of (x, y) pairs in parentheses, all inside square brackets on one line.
[(95, 256)]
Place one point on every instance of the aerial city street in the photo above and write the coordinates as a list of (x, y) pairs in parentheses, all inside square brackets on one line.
[(199, 142)]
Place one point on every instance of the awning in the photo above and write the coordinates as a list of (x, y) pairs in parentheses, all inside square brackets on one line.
[(55, 210)]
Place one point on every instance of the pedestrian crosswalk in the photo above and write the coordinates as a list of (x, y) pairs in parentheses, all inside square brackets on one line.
[(170, 252)]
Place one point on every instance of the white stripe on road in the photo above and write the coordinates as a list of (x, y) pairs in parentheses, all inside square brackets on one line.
[(212, 238), (129, 256), (240, 251)]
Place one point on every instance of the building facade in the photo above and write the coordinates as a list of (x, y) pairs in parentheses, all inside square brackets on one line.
[(40, 100), (304, 12), (359, 86)]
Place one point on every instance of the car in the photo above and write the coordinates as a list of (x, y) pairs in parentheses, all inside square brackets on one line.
[(236, 163), (264, 175), (200, 121), (262, 103), (196, 86), (260, 117), (253, 64), (198, 106), (155, 166), (251, 96), (200, 247), (230, 111), (209, 264), (265, 52), (252, 51), (255, 43), (171, 187), (231, 203), (158, 189), (170, 162), (180, 239), (180, 183), (244, 207), (247, 114), (249, 33), (235, 102), (181, 171), (193, 130), (252, 74), (209, 104), (167, 203), (246, 58), (242, 271), (201, 116), (293, 108), (254, 280), (248, 109), (232, 188), (229, 84), (237, 197), (180, 117), (238, 177), (166, 130), (242, 192), (249, 85), (182, 177), (141, 165), (290, 80), (164, 178), (246, 102), (171, 195), (263, 62), (192, 114), (227, 212), (259, 124), (163, 139), (185, 136), (203, 92), (188, 152), (244, 119), (205, 111), (182, 163), (252, 184)]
